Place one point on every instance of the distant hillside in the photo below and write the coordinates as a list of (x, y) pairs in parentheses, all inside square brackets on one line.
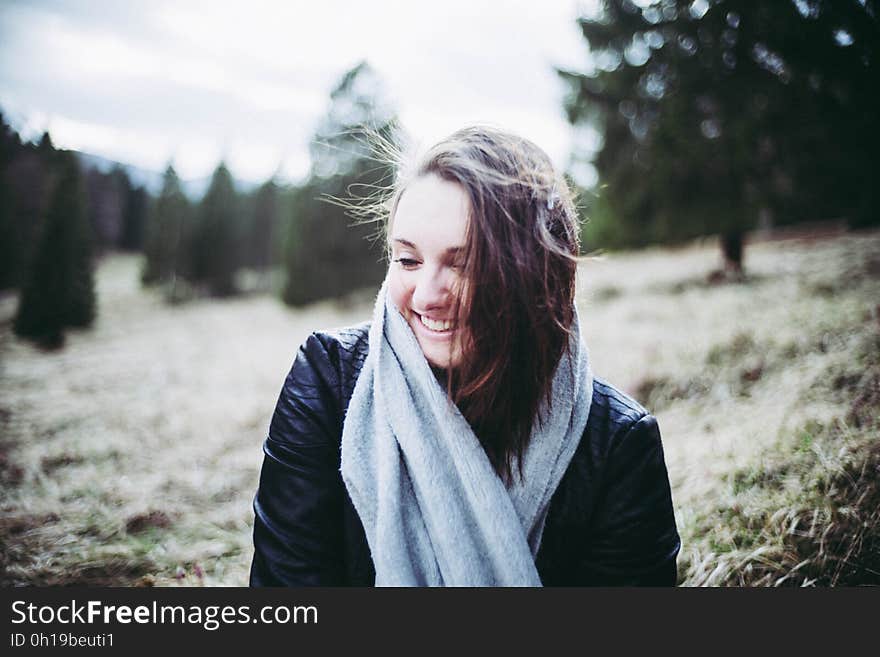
[(152, 180)]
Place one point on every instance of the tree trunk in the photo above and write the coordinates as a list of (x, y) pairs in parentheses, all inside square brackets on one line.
[(732, 251)]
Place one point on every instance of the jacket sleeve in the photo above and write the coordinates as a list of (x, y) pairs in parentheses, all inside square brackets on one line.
[(635, 541), (298, 505)]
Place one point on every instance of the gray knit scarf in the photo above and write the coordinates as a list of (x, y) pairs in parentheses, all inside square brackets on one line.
[(433, 508)]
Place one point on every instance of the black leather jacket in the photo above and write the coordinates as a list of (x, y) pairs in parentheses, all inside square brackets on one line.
[(610, 520)]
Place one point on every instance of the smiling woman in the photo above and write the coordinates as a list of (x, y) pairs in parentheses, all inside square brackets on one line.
[(460, 438)]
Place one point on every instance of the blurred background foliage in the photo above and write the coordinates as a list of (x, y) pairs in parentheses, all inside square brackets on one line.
[(721, 116), (328, 253), (299, 241)]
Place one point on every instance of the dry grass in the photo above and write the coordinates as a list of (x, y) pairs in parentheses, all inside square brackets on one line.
[(132, 455)]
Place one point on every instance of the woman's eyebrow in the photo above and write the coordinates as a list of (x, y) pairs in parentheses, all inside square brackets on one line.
[(452, 250), (400, 240)]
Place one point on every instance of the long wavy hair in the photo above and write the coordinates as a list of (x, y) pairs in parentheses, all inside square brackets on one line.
[(516, 302)]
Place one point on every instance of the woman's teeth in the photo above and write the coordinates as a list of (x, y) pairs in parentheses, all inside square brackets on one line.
[(436, 325)]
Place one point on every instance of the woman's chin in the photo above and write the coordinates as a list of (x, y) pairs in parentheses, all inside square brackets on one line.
[(437, 361), (438, 357)]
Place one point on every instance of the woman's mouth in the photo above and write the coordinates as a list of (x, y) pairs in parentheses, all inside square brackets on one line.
[(436, 325)]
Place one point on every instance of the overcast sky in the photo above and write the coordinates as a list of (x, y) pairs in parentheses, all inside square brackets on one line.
[(145, 81)]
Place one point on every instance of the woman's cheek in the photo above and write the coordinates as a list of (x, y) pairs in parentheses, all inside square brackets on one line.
[(399, 293)]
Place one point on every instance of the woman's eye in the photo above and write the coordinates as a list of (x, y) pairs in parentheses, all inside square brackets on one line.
[(457, 264), (407, 263)]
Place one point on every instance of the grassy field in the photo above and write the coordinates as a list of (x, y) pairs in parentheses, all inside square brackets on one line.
[(131, 456)]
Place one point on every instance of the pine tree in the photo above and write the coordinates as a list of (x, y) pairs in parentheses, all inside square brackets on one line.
[(263, 228), (10, 241), (134, 218), (166, 234), (215, 246), (327, 254), (59, 290), (106, 192), (25, 181), (716, 112), (45, 145)]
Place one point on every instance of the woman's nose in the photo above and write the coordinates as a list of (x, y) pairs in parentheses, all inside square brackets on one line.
[(432, 289)]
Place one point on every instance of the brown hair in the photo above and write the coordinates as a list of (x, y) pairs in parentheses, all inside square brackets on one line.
[(517, 301)]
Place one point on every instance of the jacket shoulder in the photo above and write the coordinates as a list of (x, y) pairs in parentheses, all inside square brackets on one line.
[(351, 339), (613, 414), (611, 401), (346, 348), (315, 393)]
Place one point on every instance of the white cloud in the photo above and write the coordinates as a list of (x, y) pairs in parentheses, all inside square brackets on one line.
[(145, 148), (147, 81)]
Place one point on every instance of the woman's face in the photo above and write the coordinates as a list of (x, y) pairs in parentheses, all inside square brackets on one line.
[(427, 243)]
